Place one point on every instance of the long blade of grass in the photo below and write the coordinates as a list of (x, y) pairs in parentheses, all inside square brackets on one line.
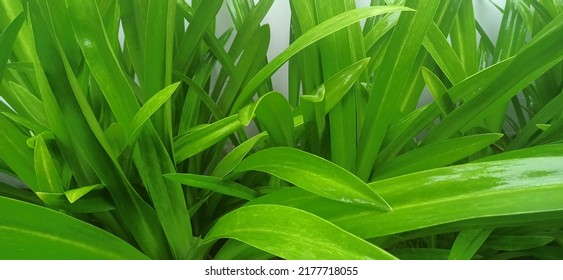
[(214, 184), (468, 242), (7, 40), (292, 234), (501, 193), (48, 179), (16, 154), (33, 232), (313, 174), (435, 155)]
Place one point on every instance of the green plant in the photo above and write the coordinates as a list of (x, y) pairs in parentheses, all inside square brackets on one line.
[(116, 149)]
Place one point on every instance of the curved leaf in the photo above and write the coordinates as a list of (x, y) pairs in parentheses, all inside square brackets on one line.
[(499, 193), (34, 232), (214, 184), (232, 159), (274, 113), (468, 242), (201, 138), (150, 107), (292, 234), (436, 155), (7, 40), (313, 174)]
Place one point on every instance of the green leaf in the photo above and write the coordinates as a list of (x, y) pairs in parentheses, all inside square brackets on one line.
[(102, 60), (30, 103), (200, 138), (313, 35), (517, 243), (389, 84), (75, 194), (214, 184), (533, 60), (435, 155), (274, 114), (313, 174), (7, 41), (292, 234), (203, 17), (468, 242), (438, 91), (437, 45), (499, 193), (33, 232), (16, 154), (149, 108), (47, 175), (232, 159)]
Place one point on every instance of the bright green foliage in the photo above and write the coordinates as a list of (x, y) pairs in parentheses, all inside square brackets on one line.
[(135, 149)]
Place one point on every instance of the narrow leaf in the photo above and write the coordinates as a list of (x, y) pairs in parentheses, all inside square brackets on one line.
[(214, 184)]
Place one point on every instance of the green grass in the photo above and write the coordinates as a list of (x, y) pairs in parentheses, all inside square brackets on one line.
[(137, 144)]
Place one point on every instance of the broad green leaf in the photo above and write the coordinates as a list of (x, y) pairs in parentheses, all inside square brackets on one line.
[(102, 60), (214, 184), (233, 158), (468, 242), (313, 35), (34, 232), (313, 174), (435, 155), (274, 114), (47, 175), (500, 193), (236, 250), (7, 41), (292, 234), (537, 151)]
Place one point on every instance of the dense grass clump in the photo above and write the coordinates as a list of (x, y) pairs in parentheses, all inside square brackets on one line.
[(132, 149)]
